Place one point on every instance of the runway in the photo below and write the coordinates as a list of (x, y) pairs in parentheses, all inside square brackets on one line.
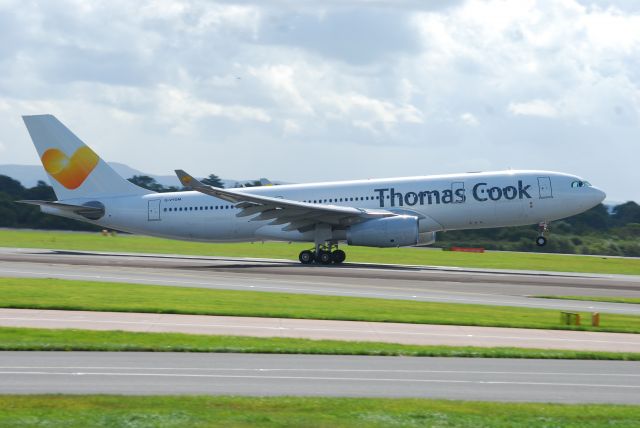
[(409, 334), (263, 375), (454, 285)]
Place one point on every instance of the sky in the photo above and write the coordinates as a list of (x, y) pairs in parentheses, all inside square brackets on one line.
[(299, 91)]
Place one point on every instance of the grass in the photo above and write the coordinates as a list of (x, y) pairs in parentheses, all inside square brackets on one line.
[(33, 339), (121, 297), (414, 256), (200, 411), (632, 300)]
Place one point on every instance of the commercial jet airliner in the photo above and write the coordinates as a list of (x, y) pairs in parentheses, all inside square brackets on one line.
[(393, 212)]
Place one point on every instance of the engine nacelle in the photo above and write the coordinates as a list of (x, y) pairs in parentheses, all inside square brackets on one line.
[(426, 238), (398, 231)]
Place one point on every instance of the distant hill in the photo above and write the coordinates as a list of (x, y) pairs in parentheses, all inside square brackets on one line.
[(29, 175)]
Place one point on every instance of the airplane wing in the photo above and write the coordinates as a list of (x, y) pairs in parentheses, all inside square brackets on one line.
[(295, 215)]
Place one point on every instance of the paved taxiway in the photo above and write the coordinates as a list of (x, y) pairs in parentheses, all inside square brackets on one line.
[(410, 334), (454, 285), (261, 375)]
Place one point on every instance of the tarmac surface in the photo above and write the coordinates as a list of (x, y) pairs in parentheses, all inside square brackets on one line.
[(409, 334), (560, 381), (422, 283)]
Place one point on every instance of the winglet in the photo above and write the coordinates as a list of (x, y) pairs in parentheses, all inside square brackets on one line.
[(188, 180)]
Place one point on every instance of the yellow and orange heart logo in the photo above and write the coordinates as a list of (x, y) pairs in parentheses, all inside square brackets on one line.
[(70, 171)]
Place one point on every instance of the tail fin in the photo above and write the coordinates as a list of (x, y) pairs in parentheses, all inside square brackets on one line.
[(75, 171)]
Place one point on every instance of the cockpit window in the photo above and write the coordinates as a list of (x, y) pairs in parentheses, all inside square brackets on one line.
[(579, 183)]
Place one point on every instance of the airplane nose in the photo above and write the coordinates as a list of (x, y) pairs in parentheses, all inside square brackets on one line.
[(598, 195)]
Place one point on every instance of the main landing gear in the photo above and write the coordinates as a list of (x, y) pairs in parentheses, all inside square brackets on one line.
[(543, 227), (323, 254)]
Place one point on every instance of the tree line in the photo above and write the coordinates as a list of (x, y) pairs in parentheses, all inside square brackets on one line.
[(211, 180), (600, 230)]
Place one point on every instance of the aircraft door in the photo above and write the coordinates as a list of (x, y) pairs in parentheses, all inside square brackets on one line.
[(544, 186), (154, 210)]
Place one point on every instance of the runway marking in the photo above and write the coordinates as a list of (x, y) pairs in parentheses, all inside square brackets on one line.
[(337, 330), (360, 266), (317, 370), (316, 283), (343, 379), (539, 303)]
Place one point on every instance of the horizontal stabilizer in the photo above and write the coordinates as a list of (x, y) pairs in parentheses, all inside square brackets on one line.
[(92, 212)]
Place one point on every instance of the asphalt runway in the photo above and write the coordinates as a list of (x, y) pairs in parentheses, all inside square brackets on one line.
[(409, 334), (454, 285), (309, 375)]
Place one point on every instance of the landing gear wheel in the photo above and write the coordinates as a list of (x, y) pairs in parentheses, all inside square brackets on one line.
[(338, 256), (324, 257), (541, 241), (306, 257)]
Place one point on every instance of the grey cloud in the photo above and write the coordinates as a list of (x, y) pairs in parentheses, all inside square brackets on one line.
[(276, 89), (632, 6), (358, 36)]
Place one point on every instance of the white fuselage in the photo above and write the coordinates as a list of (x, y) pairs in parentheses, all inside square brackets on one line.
[(443, 202)]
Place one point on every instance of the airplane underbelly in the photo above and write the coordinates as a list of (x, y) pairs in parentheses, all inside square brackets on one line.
[(508, 213)]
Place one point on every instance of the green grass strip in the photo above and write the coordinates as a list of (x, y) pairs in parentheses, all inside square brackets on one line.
[(122, 297), (413, 256), (631, 300), (32, 339), (199, 411)]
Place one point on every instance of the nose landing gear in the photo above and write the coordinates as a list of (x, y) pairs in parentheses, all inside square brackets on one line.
[(543, 227), (541, 241), (324, 255)]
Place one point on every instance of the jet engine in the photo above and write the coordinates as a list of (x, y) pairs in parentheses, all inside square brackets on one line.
[(426, 238), (397, 231)]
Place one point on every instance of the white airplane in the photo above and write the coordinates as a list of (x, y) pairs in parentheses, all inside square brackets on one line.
[(393, 212)]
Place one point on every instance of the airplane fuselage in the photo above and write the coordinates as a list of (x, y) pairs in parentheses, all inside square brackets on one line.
[(442, 202)]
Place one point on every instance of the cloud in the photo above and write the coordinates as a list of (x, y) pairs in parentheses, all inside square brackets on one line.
[(539, 108), (469, 119), (404, 88)]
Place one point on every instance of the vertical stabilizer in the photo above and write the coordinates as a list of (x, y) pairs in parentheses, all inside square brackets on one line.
[(74, 170)]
